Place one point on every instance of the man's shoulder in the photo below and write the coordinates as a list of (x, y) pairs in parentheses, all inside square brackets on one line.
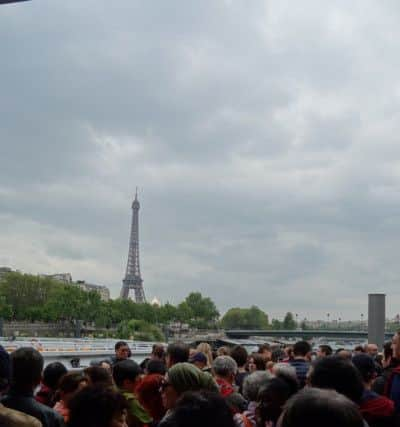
[(12, 418)]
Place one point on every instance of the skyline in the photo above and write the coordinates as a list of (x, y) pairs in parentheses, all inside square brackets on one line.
[(263, 137)]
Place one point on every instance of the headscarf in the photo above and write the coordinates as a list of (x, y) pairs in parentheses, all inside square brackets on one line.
[(185, 376)]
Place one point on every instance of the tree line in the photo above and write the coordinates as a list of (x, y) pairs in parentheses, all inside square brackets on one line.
[(35, 298)]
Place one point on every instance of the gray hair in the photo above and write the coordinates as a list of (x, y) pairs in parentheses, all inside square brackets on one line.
[(285, 370), (253, 383), (224, 366)]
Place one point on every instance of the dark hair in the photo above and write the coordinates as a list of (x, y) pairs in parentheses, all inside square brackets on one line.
[(239, 354), (327, 349), (99, 375), (365, 366), (120, 344), (70, 382), (271, 398), (125, 370), (4, 369), (199, 409), (387, 350), (26, 367), (178, 352), (156, 367), (314, 408), (360, 348), (95, 407), (263, 347), (158, 351), (336, 373), (52, 374), (258, 361), (301, 348)]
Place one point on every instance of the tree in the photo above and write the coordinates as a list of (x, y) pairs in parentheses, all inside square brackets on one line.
[(202, 308), (139, 330), (245, 318), (288, 322)]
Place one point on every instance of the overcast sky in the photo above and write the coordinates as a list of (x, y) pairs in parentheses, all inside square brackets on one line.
[(263, 135)]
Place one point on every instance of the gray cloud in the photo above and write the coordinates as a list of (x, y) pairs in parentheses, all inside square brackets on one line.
[(263, 137)]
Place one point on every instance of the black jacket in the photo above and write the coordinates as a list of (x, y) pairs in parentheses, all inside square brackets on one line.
[(26, 403)]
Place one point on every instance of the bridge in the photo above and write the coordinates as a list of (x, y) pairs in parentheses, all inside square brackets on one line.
[(306, 334)]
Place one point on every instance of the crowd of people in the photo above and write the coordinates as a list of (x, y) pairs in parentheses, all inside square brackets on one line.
[(178, 386)]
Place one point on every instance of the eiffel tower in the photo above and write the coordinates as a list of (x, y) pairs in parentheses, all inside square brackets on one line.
[(133, 279)]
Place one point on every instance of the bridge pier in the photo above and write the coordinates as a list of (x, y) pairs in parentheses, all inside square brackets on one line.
[(376, 319)]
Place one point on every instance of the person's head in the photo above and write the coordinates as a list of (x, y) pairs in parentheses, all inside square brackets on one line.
[(70, 384), (4, 369), (371, 349), (358, 349), (315, 408), (253, 383), (199, 409), (199, 359), (302, 349), (98, 375), (158, 352), (324, 350), (52, 374), (155, 366), (265, 351), (184, 377), (271, 399), (96, 406), (26, 368), (225, 367), (365, 366), (236, 402), (149, 395), (177, 353), (288, 351), (337, 374), (240, 355), (344, 354), (122, 350), (387, 353), (288, 374), (106, 365), (223, 351), (126, 374), (256, 363), (205, 348)]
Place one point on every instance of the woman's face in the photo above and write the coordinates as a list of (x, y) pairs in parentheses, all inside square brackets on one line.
[(252, 365), (169, 395), (119, 420)]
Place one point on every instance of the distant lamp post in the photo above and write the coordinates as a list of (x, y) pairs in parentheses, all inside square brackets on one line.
[(339, 320), (362, 322), (327, 320), (297, 323)]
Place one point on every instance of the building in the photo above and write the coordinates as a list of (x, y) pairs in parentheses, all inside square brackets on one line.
[(4, 271), (103, 291), (61, 277)]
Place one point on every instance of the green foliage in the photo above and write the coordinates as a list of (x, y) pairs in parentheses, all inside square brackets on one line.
[(288, 322), (34, 298), (139, 330), (245, 318)]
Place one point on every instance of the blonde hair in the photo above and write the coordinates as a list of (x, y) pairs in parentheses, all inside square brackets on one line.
[(206, 349)]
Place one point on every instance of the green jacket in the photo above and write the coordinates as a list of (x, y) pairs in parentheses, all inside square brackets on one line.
[(137, 415)]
